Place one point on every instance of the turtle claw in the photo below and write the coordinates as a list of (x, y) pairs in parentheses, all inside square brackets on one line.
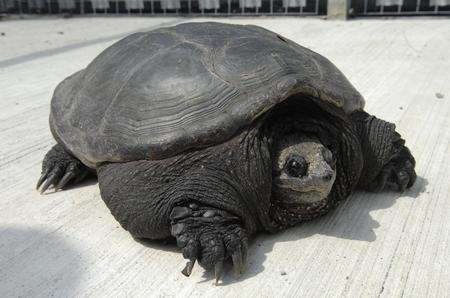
[(58, 169), (65, 179), (188, 268), (51, 179), (46, 185), (41, 179), (402, 173), (238, 263), (218, 271), (402, 180), (211, 240)]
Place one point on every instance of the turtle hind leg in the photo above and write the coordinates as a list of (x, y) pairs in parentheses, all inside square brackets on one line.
[(60, 169), (388, 163)]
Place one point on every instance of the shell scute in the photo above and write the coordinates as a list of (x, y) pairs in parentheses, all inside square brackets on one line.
[(155, 94)]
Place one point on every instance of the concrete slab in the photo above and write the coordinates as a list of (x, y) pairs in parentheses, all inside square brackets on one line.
[(391, 245)]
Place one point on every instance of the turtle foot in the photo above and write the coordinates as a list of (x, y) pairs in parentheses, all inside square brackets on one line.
[(399, 173), (60, 169), (210, 237), (388, 162)]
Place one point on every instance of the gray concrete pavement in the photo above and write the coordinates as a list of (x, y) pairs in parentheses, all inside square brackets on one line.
[(391, 245)]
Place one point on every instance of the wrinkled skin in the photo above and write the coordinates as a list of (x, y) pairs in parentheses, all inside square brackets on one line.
[(212, 199)]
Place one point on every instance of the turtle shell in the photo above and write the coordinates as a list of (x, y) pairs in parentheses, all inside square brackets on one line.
[(155, 94)]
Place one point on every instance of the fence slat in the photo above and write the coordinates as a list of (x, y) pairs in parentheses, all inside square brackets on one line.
[(418, 7)]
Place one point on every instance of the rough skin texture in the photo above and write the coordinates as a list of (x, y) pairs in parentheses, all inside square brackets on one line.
[(211, 200), (336, 132), (234, 177), (388, 162), (230, 184)]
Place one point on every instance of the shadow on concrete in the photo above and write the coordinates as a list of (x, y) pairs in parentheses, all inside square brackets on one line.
[(351, 220), (168, 245), (88, 181), (35, 262)]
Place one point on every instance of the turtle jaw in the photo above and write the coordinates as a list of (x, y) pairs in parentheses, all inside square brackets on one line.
[(306, 190)]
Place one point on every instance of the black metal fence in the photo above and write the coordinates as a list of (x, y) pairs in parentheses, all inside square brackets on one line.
[(400, 7), (224, 7), (166, 7)]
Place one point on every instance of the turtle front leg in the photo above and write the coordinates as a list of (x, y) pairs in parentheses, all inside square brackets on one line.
[(59, 169), (398, 173), (388, 163), (210, 236)]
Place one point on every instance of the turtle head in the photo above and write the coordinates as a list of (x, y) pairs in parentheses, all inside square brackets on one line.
[(303, 173)]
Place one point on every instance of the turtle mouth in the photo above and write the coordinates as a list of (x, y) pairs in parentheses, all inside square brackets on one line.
[(295, 197), (304, 191)]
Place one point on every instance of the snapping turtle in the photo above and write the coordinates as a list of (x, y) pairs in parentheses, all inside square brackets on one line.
[(208, 133)]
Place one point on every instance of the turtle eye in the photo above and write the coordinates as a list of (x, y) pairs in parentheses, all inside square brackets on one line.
[(296, 166)]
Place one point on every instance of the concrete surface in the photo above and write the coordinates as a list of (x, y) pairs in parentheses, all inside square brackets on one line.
[(67, 244)]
